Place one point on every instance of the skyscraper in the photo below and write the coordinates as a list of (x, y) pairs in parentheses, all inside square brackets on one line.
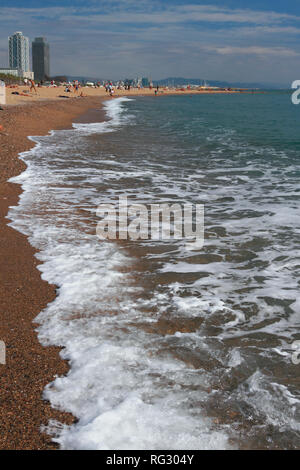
[(19, 52), (145, 82), (40, 59)]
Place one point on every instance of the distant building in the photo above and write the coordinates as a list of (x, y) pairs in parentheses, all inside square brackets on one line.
[(145, 82), (40, 59), (18, 46), (9, 71), (128, 81), (16, 72), (29, 75)]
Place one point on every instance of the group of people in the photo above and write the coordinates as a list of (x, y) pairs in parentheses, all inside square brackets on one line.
[(76, 85), (73, 86), (68, 88), (109, 88)]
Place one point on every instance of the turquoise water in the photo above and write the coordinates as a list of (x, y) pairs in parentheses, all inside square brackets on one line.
[(170, 348)]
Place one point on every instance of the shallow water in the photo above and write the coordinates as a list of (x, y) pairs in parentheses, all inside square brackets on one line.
[(170, 348)]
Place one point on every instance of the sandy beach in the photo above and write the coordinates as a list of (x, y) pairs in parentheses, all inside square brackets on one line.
[(58, 93), (22, 292)]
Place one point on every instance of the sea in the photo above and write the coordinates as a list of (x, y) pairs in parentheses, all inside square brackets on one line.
[(171, 348)]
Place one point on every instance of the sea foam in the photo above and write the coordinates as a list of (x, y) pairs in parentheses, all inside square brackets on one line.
[(124, 395)]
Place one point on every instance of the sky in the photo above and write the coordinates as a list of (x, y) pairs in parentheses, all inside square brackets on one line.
[(231, 40)]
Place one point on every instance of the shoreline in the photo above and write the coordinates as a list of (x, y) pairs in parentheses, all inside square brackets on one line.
[(23, 294), (46, 94)]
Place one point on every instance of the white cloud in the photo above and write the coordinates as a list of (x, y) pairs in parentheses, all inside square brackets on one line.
[(124, 36), (150, 14), (254, 50)]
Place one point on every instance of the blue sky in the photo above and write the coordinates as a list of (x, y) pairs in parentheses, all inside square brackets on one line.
[(218, 40)]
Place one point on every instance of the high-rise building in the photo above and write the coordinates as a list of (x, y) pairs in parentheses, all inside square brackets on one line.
[(40, 59), (19, 52), (146, 82)]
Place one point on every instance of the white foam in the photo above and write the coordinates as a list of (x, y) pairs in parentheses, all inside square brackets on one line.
[(273, 401), (117, 386), (129, 385), (115, 113)]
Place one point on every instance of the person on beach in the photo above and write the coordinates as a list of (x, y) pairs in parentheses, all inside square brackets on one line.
[(32, 86)]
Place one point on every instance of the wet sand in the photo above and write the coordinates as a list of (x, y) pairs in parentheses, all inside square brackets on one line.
[(23, 294), (30, 367)]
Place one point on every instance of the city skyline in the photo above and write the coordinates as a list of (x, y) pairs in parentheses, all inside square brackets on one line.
[(230, 40)]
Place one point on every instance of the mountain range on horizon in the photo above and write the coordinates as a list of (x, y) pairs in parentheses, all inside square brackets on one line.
[(182, 81), (177, 81)]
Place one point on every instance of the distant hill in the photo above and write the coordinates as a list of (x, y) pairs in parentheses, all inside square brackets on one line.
[(181, 81), (83, 79)]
